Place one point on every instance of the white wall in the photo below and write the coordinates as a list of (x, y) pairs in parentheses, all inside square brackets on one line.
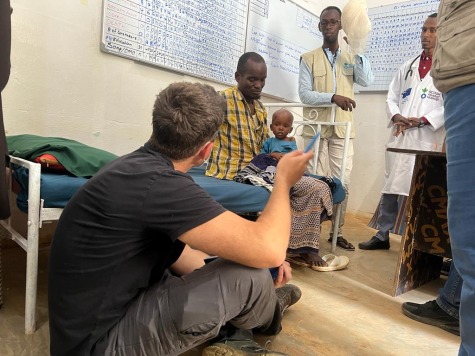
[(61, 84), (371, 137)]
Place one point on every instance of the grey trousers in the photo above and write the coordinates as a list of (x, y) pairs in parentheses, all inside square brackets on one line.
[(179, 313), (387, 215)]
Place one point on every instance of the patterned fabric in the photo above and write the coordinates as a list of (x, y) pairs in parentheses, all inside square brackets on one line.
[(309, 198), (240, 137), (260, 171)]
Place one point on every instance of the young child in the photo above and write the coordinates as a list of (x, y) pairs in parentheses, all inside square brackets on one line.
[(281, 144)]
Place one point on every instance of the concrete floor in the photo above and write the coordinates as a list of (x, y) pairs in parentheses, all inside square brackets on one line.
[(348, 312)]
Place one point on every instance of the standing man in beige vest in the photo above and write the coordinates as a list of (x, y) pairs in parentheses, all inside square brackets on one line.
[(327, 75)]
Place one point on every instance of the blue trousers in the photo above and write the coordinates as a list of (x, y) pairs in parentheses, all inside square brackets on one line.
[(449, 296), (387, 215), (460, 126)]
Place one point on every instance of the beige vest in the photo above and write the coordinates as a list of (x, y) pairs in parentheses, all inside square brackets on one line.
[(321, 70), (453, 63)]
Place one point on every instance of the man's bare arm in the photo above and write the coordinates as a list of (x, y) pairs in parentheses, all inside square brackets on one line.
[(262, 243)]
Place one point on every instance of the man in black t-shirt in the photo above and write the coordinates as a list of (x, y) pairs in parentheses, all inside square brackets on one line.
[(127, 273)]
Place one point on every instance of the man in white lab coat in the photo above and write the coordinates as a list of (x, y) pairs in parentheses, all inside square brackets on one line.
[(416, 119)]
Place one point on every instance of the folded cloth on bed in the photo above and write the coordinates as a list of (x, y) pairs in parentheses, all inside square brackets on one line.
[(78, 159), (260, 171), (234, 196)]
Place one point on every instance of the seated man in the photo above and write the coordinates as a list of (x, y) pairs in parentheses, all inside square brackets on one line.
[(127, 275), (241, 138)]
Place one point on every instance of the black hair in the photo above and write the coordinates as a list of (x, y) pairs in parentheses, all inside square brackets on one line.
[(328, 8), (242, 63)]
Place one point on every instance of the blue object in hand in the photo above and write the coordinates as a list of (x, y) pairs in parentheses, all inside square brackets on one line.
[(274, 272), (312, 142)]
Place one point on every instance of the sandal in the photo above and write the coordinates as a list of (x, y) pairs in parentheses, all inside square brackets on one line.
[(343, 243), (301, 261), (335, 263), (298, 260)]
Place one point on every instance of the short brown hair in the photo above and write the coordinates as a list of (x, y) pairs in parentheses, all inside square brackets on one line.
[(185, 116)]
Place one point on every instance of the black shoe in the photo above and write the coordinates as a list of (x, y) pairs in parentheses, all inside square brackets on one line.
[(287, 296), (446, 267), (430, 313), (374, 244), (239, 348)]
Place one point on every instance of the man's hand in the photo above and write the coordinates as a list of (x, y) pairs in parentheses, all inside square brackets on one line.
[(291, 166), (400, 120), (404, 123), (414, 121), (189, 260), (276, 155), (284, 275), (343, 102)]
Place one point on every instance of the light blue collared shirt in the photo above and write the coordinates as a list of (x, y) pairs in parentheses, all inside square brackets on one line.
[(362, 75)]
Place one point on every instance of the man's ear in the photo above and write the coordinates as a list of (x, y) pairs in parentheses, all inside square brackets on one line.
[(237, 76), (206, 150)]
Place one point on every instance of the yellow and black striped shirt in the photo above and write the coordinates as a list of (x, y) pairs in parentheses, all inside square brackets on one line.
[(240, 137)]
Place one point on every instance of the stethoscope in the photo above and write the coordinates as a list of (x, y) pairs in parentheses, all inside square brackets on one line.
[(409, 71)]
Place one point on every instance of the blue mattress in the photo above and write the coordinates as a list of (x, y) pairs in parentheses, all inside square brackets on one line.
[(57, 189)]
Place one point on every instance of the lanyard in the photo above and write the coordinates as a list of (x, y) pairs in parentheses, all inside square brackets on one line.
[(334, 56), (332, 64)]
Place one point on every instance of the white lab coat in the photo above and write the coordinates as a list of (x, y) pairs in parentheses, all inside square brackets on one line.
[(411, 97)]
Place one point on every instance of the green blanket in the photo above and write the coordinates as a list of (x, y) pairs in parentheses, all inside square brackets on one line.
[(78, 158)]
